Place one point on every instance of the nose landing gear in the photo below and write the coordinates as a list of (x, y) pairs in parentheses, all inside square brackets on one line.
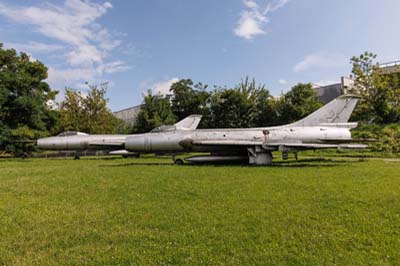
[(177, 161)]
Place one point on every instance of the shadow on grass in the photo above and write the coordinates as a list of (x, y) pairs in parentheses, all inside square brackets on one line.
[(309, 162), (102, 158), (82, 158), (139, 164), (314, 162)]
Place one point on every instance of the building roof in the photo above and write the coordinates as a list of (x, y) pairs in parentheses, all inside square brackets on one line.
[(129, 108)]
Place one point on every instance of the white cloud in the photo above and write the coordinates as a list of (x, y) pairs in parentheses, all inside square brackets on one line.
[(107, 5), (282, 81), (73, 23), (113, 67), (320, 60), (253, 19), (273, 6), (85, 44), (34, 47), (156, 87), (250, 24), (74, 76), (164, 86), (250, 4)]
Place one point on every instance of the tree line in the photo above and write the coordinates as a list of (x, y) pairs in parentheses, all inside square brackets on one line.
[(247, 104), (28, 109)]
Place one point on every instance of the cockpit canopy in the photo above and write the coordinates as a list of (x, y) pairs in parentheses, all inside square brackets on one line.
[(72, 133), (163, 129)]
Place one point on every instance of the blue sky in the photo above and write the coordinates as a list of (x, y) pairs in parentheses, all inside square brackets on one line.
[(141, 44)]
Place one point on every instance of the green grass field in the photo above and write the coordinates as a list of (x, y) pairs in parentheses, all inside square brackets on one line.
[(148, 212)]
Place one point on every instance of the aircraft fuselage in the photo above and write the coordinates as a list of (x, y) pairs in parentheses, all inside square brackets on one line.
[(181, 141)]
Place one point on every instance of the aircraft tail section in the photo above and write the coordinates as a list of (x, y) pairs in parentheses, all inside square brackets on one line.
[(337, 111), (189, 123)]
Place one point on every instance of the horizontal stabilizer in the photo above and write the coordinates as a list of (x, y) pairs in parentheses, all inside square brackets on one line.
[(340, 125), (353, 146)]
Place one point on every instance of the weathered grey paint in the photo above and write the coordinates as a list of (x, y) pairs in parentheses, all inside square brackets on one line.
[(328, 127)]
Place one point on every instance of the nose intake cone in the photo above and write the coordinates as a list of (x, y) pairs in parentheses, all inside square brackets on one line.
[(51, 143), (43, 144)]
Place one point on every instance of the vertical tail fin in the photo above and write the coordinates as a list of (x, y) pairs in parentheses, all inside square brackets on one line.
[(189, 123), (338, 110)]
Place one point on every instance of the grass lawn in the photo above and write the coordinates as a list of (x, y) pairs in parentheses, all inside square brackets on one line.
[(148, 212)]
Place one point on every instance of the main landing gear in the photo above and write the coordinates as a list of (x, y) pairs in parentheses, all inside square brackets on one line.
[(285, 155), (259, 156)]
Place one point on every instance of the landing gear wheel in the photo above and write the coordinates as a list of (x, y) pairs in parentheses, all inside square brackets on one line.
[(178, 161), (77, 157)]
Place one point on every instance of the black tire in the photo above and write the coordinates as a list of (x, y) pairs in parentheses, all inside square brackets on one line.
[(178, 162)]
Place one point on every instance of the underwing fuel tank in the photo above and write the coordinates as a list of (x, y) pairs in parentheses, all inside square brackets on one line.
[(216, 159), (123, 153)]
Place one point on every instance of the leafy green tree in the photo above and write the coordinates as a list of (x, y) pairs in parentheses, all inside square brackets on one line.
[(246, 105), (391, 101), (25, 113), (387, 137), (88, 113), (155, 112), (379, 91), (99, 117), (189, 98), (297, 103), (266, 110), (365, 75), (72, 117)]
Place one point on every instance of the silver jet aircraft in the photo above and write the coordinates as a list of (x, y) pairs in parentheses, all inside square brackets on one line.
[(114, 144), (327, 127)]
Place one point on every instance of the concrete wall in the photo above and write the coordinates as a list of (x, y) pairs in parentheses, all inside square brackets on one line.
[(329, 92), (390, 68)]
